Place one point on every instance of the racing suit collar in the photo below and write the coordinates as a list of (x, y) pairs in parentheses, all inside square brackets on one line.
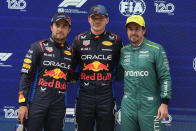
[(98, 36), (57, 44), (139, 46)]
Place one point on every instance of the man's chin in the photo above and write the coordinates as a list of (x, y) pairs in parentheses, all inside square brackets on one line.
[(59, 39), (134, 40)]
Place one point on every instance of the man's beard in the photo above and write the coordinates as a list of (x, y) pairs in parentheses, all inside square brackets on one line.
[(58, 39)]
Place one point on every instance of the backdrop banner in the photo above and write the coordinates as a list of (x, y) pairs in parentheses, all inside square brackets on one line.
[(171, 23)]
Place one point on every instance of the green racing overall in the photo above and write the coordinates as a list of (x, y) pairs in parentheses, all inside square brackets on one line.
[(146, 80)]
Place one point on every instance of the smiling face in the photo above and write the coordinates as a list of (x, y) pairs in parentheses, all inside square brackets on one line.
[(135, 33), (97, 23), (60, 30)]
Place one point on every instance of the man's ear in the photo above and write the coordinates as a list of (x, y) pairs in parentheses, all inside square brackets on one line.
[(107, 19)]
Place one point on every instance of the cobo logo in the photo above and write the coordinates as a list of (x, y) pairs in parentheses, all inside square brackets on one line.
[(194, 64), (132, 7)]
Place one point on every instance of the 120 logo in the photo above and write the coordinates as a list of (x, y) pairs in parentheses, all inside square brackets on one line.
[(164, 8), (14, 4), (11, 113)]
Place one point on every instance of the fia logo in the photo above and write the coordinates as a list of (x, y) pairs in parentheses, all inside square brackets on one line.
[(162, 7), (3, 58), (132, 7), (14, 4), (76, 3)]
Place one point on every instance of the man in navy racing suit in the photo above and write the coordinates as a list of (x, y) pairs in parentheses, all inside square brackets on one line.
[(44, 77), (97, 53)]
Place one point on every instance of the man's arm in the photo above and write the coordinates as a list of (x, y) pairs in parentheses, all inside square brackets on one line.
[(27, 75), (119, 70), (75, 58), (162, 68)]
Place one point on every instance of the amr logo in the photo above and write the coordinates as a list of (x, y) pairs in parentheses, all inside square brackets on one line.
[(76, 3)]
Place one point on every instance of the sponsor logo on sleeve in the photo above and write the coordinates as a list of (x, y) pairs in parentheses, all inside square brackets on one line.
[(28, 61), (30, 51), (26, 66), (24, 70)]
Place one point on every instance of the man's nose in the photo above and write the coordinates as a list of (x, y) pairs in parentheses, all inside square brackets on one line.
[(60, 28), (133, 31)]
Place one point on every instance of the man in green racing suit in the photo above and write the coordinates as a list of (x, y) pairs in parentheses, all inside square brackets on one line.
[(146, 79)]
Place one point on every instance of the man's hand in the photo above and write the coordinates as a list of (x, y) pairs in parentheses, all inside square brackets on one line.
[(23, 112), (162, 111)]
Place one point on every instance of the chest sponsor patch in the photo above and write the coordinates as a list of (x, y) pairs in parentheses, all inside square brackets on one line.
[(86, 42), (67, 52), (49, 49), (106, 49), (107, 43)]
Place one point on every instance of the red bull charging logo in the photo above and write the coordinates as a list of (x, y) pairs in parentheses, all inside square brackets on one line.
[(96, 66), (56, 74)]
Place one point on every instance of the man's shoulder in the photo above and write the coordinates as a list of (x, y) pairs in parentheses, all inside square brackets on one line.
[(114, 35), (83, 35), (40, 41), (40, 44), (125, 48), (152, 44)]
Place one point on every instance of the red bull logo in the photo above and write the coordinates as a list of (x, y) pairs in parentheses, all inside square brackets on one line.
[(55, 84), (96, 66), (56, 74), (96, 76)]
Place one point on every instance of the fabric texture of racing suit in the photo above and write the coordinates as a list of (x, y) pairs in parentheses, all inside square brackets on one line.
[(146, 79), (44, 75), (97, 57)]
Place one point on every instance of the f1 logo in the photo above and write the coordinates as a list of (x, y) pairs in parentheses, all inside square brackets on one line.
[(5, 56), (76, 3)]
